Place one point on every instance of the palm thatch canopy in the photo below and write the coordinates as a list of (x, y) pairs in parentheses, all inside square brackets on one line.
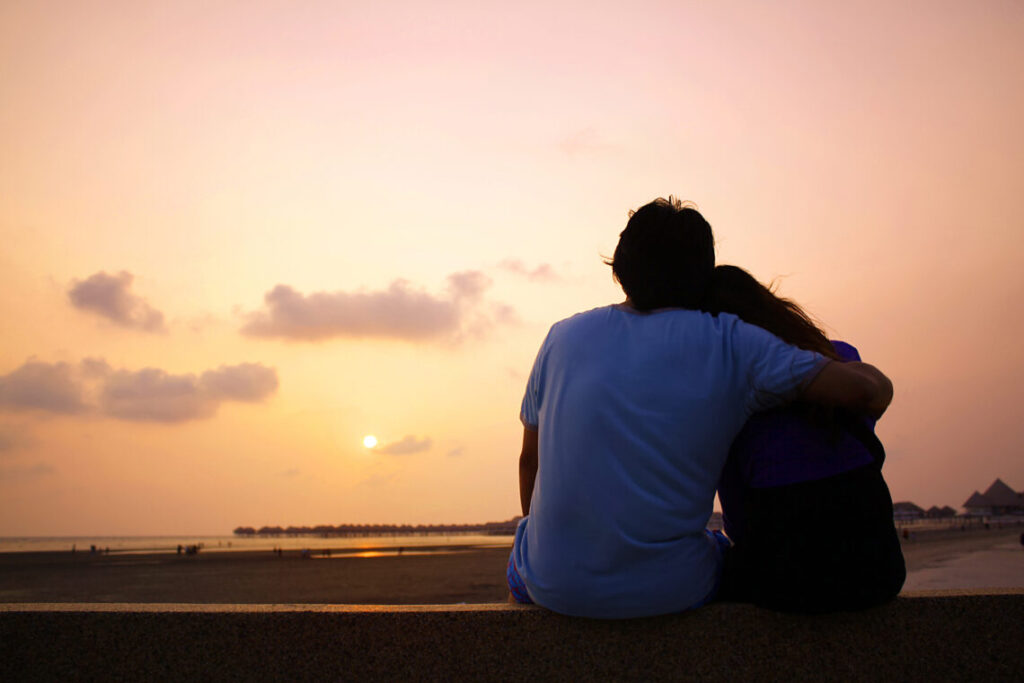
[(1002, 495), (999, 499), (977, 501)]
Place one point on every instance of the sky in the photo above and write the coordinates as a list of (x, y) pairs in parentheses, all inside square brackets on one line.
[(238, 237)]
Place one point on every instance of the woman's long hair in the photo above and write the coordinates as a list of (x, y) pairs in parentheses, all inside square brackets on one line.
[(734, 290)]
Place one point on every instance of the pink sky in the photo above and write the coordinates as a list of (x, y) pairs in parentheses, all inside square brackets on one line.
[(448, 177)]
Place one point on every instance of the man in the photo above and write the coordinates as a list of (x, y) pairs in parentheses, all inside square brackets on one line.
[(628, 416)]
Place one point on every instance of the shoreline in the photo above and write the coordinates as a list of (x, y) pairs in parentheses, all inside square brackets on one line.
[(168, 544), (448, 574), (348, 545), (315, 552)]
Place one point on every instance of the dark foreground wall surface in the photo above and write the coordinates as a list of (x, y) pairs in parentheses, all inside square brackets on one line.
[(937, 637)]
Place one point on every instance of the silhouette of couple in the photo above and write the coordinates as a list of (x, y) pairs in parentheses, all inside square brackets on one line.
[(702, 380)]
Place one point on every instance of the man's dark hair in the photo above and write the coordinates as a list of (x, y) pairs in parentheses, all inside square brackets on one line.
[(665, 256)]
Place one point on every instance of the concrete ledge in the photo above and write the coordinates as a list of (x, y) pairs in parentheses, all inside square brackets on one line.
[(943, 635)]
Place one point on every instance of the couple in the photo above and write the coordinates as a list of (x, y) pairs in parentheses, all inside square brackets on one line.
[(634, 414)]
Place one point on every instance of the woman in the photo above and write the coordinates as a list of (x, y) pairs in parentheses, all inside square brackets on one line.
[(802, 494)]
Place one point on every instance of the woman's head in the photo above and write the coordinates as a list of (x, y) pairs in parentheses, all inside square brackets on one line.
[(665, 256), (734, 290)]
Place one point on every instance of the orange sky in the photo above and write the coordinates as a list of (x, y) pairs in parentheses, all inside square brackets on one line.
[(237, 240)]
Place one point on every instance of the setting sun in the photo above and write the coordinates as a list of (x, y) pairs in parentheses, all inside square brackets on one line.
[(369, 441)]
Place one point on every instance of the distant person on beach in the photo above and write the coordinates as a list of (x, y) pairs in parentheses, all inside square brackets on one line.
[(803, 498), (628, 416)]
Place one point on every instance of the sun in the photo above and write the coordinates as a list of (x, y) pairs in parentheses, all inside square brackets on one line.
[(369, 441)]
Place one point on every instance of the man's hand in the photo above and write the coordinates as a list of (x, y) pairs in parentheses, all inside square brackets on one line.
[(858, 387), (527, 468)]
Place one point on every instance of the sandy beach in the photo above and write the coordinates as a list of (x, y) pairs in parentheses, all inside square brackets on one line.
[(470, 575), (476, 575)]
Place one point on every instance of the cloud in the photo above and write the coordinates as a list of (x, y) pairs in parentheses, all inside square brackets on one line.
[(247, 382), (13, 439), (585, 141), (25, 472), (154, 395), (108, 296), (505, 315), (377, 480), (398, 312), (541, 273), (150, 394), (51, 388), (405, 446), (456, 452), (290, 472), (94, 367), (468, 285)]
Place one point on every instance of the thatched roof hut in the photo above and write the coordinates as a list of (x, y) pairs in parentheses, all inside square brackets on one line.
[(999, 499), (907, 510)]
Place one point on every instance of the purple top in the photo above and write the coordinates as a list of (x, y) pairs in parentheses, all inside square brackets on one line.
[(783, 446)]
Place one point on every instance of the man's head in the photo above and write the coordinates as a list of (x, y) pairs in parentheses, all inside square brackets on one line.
[(665, 256)]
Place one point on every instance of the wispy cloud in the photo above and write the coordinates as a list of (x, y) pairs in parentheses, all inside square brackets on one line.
[(377, 480), (109, 297), (503, 314), (13, 438), (26, 472), (584, 141), (406, 445), (399, 312), (543, 272), (149, 394)]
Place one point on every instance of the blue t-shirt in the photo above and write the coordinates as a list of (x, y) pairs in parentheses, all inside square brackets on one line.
[(635, 413)]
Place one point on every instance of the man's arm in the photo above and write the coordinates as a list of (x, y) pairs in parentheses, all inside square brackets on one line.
[(527, 468), (859, 387)]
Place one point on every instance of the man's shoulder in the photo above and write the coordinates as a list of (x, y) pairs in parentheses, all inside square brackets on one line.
[(619, 322), (594, 316), (624, 315)]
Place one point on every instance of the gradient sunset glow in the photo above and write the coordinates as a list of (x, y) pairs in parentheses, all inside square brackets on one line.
[(237, 239)]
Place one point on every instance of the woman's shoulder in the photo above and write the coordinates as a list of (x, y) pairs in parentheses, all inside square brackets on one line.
[(846, 351)]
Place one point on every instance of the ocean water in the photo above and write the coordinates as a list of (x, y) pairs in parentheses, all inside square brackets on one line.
[(169, 544)]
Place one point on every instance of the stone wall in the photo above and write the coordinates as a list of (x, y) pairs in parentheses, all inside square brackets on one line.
[(935, 637)]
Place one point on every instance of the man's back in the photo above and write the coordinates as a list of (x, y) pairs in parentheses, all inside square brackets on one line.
[(635, 413)]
